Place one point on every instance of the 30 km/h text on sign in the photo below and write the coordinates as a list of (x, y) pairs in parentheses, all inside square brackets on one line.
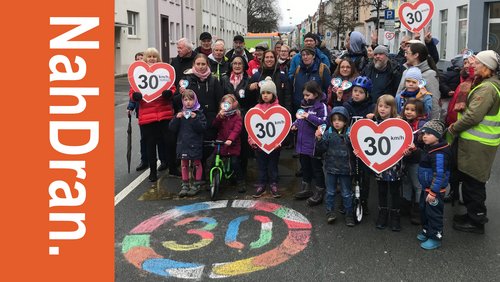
[(380, 146), (268, 128), (150, 81)]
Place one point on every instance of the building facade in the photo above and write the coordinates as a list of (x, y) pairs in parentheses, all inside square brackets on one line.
[(222, 18)]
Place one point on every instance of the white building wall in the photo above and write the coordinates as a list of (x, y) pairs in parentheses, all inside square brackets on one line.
[(452, 28), (126, 46), (222, 18)]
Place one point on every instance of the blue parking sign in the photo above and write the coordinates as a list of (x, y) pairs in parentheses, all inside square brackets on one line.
[(389, 14)]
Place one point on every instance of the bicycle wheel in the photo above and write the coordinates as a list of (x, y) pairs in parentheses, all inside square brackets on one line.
[(215, 184), (358, 210)]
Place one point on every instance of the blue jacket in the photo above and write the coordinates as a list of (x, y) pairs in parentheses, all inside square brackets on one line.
[(295, 62), (306, 74), (423, 95), (339, 156), (434, 168), (306, 128)]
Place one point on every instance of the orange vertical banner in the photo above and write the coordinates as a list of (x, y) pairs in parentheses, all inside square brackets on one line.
[(58, 125)]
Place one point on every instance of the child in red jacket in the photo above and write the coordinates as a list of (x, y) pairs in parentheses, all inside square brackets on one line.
[(229, 124)]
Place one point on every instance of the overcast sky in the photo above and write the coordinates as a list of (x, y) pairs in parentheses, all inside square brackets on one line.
[(299, 10)]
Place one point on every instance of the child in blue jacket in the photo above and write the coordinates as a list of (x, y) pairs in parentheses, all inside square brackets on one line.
[(338, 163), (433, 175)]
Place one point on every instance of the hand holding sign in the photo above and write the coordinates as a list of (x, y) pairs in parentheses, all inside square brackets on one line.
[(417, 15), (150, 81), (380, 146), (268, 129)]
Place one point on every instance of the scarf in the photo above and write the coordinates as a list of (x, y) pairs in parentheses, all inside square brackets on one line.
[(195, 107), (307, 104), (235, 79), (229, 113), (202, 76)]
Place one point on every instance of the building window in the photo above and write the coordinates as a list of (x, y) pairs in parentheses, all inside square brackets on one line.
[(178, 31), (188, 34), (462, 28), (443, 17), (171, 33), (494, 27), (132, 20)]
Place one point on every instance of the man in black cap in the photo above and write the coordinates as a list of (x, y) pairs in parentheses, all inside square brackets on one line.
[(239, 49), (205, 44), (310, 40)]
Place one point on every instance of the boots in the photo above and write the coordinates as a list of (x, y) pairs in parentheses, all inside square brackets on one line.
[(395, 221), (305, 192), (195, 189), (317, 198), (383, 213), (184, 189), (415, 215)]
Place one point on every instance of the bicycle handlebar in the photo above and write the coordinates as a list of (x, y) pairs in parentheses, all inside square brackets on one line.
[(213, 143)]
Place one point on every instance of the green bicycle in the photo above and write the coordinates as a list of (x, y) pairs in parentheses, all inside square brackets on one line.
[(221, 168)]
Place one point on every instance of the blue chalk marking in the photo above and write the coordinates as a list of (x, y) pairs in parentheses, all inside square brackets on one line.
[(161, 266), (233, 228)]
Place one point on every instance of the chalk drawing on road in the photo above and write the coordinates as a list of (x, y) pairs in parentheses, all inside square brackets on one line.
[(138, 250)]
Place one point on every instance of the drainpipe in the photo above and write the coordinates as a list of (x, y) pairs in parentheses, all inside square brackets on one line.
[(182, 17)]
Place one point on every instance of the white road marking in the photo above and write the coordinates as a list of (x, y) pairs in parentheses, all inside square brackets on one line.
[(123, 193)]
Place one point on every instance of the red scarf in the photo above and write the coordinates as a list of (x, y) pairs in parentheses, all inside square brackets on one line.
[(235, 79)]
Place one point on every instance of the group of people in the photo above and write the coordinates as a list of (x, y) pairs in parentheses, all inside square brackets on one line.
[(214, 91)]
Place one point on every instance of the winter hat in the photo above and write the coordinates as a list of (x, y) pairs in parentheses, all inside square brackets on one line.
[(381, 50), (308, 50), (310, 35), (268, 85), (489, 58), (205, 35), (413, 73), (262, 46), (239, 38), (434, 127)]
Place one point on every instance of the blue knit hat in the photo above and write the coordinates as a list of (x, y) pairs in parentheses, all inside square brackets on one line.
[(413, 73)]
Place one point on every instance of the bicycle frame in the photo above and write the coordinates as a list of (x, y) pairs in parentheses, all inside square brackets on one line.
[(224, 169)]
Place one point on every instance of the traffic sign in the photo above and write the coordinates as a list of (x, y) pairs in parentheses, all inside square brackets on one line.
[(389, 14)]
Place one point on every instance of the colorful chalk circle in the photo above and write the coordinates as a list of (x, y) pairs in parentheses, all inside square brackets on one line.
[(200, 221)]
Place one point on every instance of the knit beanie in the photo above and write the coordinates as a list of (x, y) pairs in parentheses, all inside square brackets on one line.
[(268, 85), (413, 73), (489, 58), (434, 127), (380, 49)]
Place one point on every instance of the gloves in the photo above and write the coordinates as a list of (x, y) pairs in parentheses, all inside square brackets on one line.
[(137, 96), (167, 94)]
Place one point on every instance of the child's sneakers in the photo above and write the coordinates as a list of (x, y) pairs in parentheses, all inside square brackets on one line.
[(184, 189), (260, 191), (274, 191), (422, 237), (430, 244), (195, 189)]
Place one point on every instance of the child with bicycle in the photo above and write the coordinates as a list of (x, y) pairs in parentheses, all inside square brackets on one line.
[(267, 163), (339, 161), (229, 124), (190, 125)]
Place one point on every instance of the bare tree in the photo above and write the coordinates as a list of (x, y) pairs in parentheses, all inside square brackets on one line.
[(341, 20), (263, 15)]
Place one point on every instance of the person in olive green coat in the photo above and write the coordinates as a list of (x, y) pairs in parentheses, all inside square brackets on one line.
[(478, 131)]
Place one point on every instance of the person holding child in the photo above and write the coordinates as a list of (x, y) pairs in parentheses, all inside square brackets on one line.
[(229, 124), (433, 174), (312, 113), (190, 125), (338, 163), (267, 163)]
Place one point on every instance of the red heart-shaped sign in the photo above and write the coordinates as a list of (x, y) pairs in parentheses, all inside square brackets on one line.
[(268, 129), (389, 35), (417, 15), (150, 81), (380, 146)]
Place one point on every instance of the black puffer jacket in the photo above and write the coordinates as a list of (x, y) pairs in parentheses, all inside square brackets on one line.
[(189, 136)]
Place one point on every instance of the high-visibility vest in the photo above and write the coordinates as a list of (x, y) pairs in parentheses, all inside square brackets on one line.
[(486, 132)]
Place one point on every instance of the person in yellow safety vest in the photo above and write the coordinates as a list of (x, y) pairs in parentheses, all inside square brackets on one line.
[(478, 131)]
